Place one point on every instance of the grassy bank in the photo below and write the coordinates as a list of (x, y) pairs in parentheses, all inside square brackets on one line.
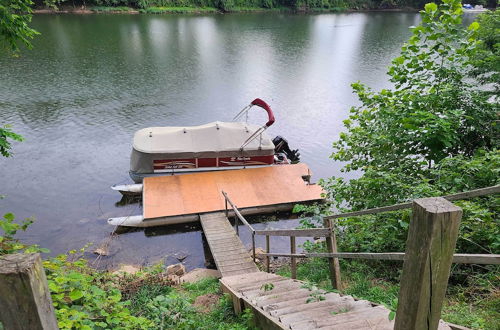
[(178, 10), (85, 298), (197, 305), (210, 6), (474, 303)]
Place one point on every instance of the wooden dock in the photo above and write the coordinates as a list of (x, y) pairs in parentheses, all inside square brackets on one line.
[(279, 302), (229, 253), (265, 188)]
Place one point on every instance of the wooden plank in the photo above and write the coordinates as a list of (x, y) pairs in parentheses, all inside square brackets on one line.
[(338, 320), (228, 251), (237, 272), (240, 261), (167, 196), (231, 255), (279, 287), (221, 237), (333, 263), (320, 312), (313, 232), (259, 284), (432, 237), (303, 305), (458, 258), (281, 297), (245, 266), (25, 300), (235, 281), (454, 197), (293, 301), (262, 319), (220, 248)]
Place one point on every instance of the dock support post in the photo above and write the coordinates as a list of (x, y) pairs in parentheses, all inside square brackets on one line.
[(268, 249), (253, 247), (236, 223), (25, 301), (333, 263), (293, 262), (432, 237), (227, 212)]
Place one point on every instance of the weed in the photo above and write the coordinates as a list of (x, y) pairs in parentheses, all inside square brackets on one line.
[(267, 287), (340, 311)]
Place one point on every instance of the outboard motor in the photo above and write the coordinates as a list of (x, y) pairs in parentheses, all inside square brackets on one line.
[(281, 145)]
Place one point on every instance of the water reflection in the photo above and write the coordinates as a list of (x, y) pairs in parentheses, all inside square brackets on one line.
[(92, 80)]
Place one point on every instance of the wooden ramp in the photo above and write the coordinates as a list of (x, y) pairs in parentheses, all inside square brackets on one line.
[(197, 193), (278, 302), (282, 303), (228, 251)]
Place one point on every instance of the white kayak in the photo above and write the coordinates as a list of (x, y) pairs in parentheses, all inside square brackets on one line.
[(130, 221), (128, 189)]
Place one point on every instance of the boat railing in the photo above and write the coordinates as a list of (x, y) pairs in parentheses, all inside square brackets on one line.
[(258, 133)]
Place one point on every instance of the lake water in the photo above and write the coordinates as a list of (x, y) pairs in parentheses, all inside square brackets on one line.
[(91, 81)]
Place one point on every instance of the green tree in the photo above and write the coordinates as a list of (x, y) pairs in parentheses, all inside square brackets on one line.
[(487, 61), (433, 134), (15, 15)]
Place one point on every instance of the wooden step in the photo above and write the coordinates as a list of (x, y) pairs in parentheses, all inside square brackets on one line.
[(257, 285), (296, 301), (303, 305), (280, 297), (234, 255), (248, 266), (326, 319), (241, 272), (234, 281), (279, 287), (321, 312)]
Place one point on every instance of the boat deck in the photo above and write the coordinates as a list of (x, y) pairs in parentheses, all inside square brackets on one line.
[(198, 193)]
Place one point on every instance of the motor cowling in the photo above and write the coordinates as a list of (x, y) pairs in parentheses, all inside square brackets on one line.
[(281, 146)]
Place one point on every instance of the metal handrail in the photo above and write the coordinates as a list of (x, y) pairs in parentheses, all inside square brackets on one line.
[(242, 219), (453, 197)]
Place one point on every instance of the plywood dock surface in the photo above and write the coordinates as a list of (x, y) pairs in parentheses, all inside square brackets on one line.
[(198, 193), (228, 251)]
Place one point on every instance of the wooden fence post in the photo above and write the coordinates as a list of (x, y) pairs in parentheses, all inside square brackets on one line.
[(293, 262), (25, 301), (432, 237), (333, 263), (268, 249)]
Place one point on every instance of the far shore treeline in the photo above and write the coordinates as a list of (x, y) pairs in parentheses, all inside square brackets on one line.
[(244, 5)]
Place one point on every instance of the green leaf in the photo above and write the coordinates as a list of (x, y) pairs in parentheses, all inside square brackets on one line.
[(474, 26), (430, 7), (75, 294)]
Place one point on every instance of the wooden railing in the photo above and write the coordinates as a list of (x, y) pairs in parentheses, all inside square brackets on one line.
[(326, 232), (431, 241), (454, 197)]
